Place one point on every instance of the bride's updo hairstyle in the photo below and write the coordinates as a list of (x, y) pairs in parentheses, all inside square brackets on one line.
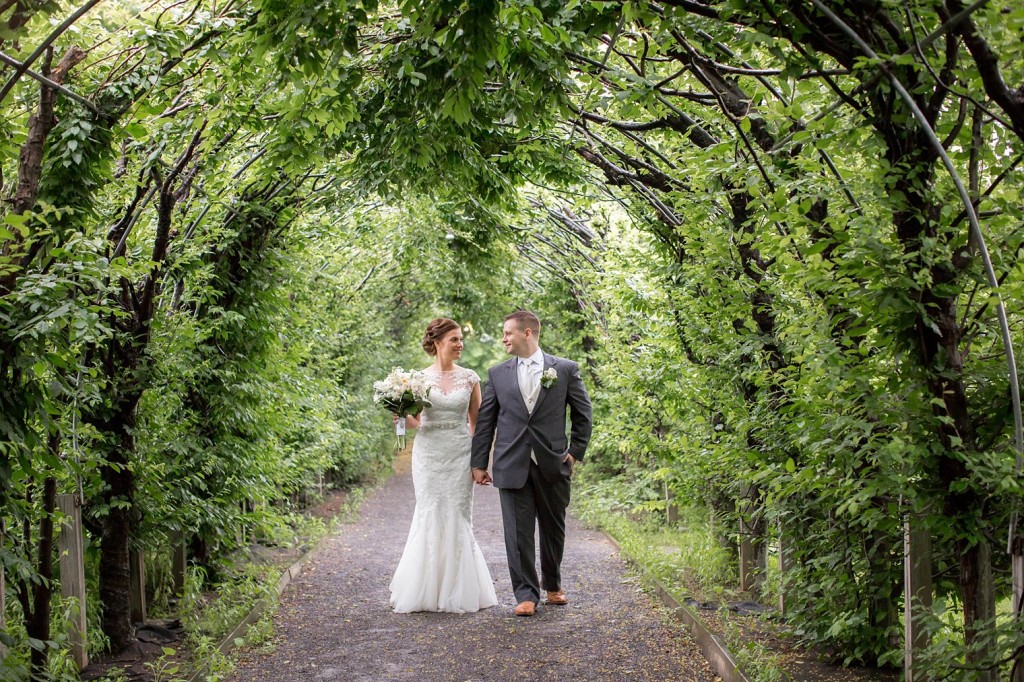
[(437, 330)]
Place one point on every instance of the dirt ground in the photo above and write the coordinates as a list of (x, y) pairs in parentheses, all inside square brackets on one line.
[(334, 622)]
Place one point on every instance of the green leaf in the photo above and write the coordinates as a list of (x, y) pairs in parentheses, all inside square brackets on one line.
[(136, 130)]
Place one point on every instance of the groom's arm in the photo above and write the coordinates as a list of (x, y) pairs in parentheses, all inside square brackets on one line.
[(579, 413), (486, 418)]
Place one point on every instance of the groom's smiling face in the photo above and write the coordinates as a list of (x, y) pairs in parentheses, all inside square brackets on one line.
[(517, 340)]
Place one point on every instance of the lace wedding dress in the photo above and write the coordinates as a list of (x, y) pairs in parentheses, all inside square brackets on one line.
[(442, 567)]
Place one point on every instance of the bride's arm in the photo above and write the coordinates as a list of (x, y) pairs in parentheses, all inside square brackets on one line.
[(474, 408)]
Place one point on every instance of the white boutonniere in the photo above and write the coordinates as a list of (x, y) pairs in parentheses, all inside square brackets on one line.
[(549, 377)]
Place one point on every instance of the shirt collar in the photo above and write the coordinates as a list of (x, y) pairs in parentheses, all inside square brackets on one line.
[(537, 357)]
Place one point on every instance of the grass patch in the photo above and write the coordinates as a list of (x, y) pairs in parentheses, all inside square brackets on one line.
[(686, 554), (757, 661)]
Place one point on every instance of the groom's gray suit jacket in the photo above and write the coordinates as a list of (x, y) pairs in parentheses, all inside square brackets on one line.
[(504, 420)]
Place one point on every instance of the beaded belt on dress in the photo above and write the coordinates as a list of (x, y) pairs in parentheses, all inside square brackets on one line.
[(445, 424)]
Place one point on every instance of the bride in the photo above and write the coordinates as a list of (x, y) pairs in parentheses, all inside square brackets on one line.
[(442, 567)]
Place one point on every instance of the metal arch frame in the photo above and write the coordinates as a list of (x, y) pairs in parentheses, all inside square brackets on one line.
[(972, 216), (993, 281)]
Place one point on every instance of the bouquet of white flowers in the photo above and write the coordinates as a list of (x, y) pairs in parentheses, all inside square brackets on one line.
[(402, 393)]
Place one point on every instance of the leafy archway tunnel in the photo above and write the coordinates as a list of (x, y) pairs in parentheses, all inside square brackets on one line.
[(223, 220)]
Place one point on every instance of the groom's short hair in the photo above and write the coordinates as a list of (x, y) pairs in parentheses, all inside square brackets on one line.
[(526, 320)]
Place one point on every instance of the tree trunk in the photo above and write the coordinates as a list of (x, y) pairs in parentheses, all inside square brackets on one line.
[(883, 585), (125, 368), (37, 623), (115, 565), (978, 592), (30, 162)]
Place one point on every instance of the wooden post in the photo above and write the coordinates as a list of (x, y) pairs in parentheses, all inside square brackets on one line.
[(917, 593), (244, 526), (240, 528), (3, 609), (746, 557), (671, 510), (72, 574), (3, 596), (985, 600), (138, 585), (1017, 568), (179, 562), (785, 561), (752, 554)]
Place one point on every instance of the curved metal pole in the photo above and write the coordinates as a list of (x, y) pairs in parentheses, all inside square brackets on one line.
[(990, 272), (972, 217), (972, 214)]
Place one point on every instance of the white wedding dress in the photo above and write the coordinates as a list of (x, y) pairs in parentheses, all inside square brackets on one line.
[(442, 567)]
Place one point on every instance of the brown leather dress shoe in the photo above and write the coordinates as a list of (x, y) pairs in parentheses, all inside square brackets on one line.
[(526, 608), (557, 598)]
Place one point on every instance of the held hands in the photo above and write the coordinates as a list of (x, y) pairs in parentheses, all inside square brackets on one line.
[(481, 477)]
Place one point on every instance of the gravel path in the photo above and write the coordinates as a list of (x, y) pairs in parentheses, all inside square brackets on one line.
[(334, 622)]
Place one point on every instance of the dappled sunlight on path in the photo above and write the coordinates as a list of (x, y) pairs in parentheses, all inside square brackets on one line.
[(335, 624)]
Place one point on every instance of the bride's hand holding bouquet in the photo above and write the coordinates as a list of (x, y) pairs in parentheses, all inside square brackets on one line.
[(411, 422), (403, 393)]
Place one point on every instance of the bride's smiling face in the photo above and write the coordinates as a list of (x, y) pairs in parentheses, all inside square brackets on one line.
[(450, 346)]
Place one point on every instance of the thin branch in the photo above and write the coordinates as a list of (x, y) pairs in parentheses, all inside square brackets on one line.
[(663, 180), (133, 218), (117, 228)]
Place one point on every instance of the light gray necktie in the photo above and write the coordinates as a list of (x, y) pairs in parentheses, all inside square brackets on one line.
[(528, 387), (527, 382)]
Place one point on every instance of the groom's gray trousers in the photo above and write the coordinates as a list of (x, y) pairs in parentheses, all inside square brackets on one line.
[(545, 501)]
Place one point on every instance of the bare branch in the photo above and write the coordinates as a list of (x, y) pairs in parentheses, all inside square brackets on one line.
[(50, 83), (692, 7), (1010, 100), (56, 33)]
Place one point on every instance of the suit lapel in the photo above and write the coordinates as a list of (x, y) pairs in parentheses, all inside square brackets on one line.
[(549, 361), (512, 370)]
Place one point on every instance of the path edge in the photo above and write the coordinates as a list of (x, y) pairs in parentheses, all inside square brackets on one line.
[(260, 607), (711, 645)]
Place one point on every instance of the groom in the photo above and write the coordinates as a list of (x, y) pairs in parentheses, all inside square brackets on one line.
[(523, 414)]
